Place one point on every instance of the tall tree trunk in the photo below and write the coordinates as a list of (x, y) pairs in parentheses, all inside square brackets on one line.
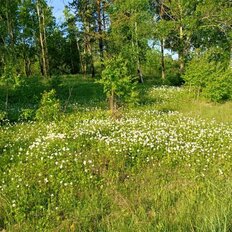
[(9, 25), (112, 102), (105, 23), (89, 50), (7, 97), (162, 42), (80, 55), (45, 43), (181, 50), (28, 67), (231, 57), (100, 34), (71, 57), (181, 37), (85, 59), (92, 67), (139, 70), (42, 39), (162, 58)]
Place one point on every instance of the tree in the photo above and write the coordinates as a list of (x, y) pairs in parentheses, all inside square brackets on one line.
[(214, 27), (117, 83), (161, 28), (73, 39), (176, 22), (84, 10), (9, 32), (42, 11), (130, 26), (26, 38)]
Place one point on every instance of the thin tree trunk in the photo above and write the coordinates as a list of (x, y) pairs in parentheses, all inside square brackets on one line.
[(99, 21), (80, 56), (140, 74), (9, 26), (41, 39), (28, 65), (85, 60), (7, 97), (162, 58), (181, 51), (45, 42), (72, 64), (181, 37), (162, 42), (89, 51), (112, 102), (92, 67), (231, 57)]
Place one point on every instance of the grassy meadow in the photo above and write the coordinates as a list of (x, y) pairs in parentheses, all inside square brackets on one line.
[(161, 165)]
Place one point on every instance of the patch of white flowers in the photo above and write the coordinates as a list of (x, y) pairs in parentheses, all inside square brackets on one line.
[(60, 150)]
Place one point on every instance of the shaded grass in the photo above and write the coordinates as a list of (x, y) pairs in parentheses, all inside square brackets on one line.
[(76, 91), (73, 91)]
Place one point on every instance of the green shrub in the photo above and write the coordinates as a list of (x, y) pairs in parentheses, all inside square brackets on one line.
[(209, 78), (118, 84), (3, 116), (198, 70), (219, 88), (27, 114), (49, 108)]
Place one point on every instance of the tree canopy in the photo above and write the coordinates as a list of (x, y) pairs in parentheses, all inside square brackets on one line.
[(142, 32)]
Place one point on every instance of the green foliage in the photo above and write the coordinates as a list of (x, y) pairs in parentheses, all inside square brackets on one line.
[(198, 70), (116, 79), (28, 88), (3, 115), (152, 64), (148, 171), (54, 82), (27, 114), (219, 88), (173, 77), (9, 74), (209, 77), (155, 169), (49, 108)]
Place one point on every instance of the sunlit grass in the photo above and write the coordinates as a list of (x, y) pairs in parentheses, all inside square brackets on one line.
[(164, 165), (219, 112)]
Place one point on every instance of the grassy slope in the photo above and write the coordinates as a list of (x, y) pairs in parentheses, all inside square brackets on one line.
[(91, 173)]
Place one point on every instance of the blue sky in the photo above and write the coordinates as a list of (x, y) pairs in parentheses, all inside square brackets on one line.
[(58, 7)]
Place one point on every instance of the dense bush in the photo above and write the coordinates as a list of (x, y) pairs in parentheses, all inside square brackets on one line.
[(27, 114), (219, 88), (208, 77), (49, 108), (118, 83)]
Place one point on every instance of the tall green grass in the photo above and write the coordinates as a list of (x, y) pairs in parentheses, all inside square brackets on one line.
[(164, 165)]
